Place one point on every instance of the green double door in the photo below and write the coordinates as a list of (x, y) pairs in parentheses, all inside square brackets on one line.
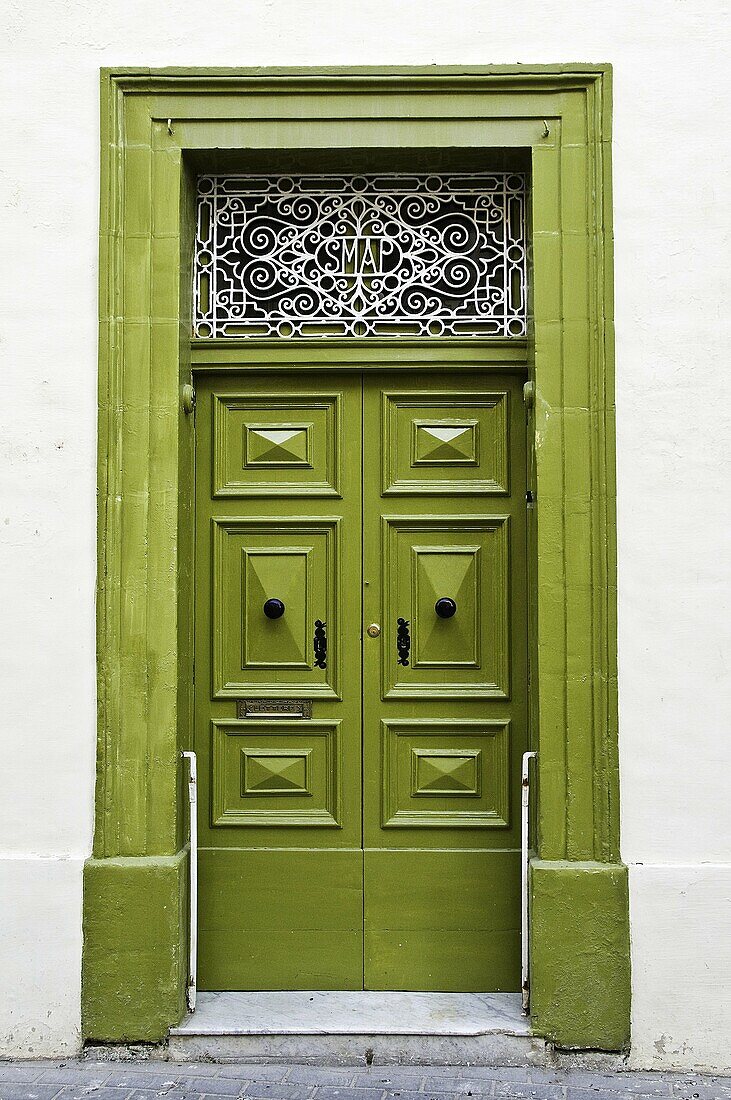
[(360, 679)]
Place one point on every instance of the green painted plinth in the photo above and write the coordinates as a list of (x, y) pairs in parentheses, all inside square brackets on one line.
[(580, 965), (134, 961)]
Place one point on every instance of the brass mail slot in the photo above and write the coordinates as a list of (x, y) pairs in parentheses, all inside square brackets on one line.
[(274, 708)]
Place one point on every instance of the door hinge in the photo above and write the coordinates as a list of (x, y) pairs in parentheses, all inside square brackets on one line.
[(529, 393), (529, 498), (187, 398)]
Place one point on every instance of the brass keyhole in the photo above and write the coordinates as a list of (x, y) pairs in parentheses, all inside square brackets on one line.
[(373, 630)]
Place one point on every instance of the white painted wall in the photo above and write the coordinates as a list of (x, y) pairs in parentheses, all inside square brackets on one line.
[(674, 421)]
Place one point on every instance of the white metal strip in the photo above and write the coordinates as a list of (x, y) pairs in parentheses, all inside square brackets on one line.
[(524, 892), (193, 940)]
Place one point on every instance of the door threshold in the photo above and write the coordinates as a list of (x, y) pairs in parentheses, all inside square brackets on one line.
[(357, 1028)]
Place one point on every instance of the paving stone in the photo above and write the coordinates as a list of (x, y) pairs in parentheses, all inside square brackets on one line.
[(519, 1090), (321, 1075), (212, 1083), (329, 1093), (137, 1077), (251, 1073), (587, 1093), (189, 1090), (89, 1092), (459, 1086), (263, 1090), (428, 1071), (388, 1079), (19, 1090), (392, 1094), (439, 1094), (434, 1090), (10, 1071), (211, 1094), (619, 1083), (163, 1094), (719, 1090), (177, 1070), (500, 1073), (75, 1075)]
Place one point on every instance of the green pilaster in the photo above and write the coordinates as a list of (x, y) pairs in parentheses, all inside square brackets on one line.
[(134, 963), (580, 976), (135, 958)]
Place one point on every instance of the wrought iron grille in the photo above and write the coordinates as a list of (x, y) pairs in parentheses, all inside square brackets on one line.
[(387, 255)]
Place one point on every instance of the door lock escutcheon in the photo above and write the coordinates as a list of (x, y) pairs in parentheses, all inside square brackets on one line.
[(320, 644), (373, 630), (403, 641)]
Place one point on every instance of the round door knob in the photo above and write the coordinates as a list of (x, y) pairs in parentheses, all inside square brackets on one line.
[(274, 609), (373, 630), (445, 607)]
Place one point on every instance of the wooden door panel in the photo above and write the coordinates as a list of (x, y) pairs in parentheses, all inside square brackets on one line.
[(444, 442), (267, 774), (274, 444), (445, 774), (461, 557), (442, 920), (282, 919), (297, 561)]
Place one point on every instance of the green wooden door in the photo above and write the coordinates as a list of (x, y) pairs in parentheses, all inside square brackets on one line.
[(375, 843)]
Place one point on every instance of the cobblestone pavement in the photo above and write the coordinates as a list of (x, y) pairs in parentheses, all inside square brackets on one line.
[(159, 1080)]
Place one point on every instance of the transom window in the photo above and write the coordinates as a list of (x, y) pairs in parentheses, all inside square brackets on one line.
[(368, 255)]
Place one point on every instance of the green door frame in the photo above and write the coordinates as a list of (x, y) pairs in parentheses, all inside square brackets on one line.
[(158, 128)]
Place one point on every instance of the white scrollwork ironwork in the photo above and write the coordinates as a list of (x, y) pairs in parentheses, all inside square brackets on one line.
[(387, 255)]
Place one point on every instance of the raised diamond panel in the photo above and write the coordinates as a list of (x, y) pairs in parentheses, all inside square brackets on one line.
[(452, 571), (445, 443), (276, 771), (283, 573), (288, 445), (449, 771)]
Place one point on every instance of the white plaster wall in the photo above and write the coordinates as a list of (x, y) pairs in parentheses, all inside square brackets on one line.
[(673, 392)]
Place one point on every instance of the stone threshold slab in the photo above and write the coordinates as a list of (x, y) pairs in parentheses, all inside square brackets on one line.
[(354, 1013)]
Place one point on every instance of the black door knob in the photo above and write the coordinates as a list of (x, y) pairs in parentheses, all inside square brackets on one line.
[(445, 607), (274, 609)]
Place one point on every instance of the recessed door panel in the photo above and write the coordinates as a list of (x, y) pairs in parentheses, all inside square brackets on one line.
[(448, 773), (289, 918), (268, 774), (463, 560), (442, 919), (276, 445), (296, 562), (445, 442)]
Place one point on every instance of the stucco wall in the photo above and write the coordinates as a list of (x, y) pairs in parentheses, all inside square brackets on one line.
[(674, 416)]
